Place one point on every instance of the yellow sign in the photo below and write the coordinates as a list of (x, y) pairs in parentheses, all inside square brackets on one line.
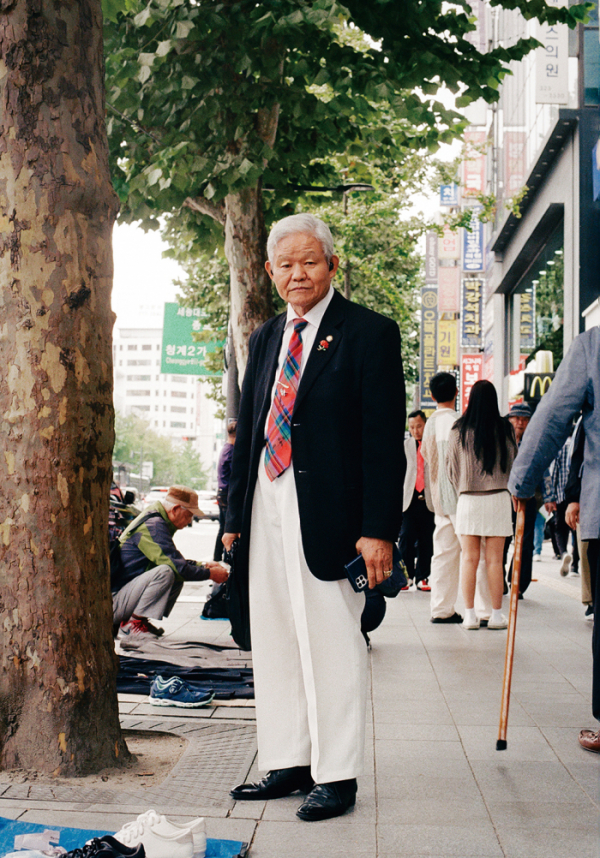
[(447, 342)]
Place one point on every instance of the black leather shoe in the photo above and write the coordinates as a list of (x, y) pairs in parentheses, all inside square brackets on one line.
[(276, 784), (328, 800)]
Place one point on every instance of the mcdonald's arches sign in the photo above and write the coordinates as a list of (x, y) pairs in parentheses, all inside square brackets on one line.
[(536, 385)]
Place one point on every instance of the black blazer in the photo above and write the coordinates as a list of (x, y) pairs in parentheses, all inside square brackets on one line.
[(347, 436)]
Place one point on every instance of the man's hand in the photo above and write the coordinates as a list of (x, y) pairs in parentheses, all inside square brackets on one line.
[(377, 554), (218, 573), (228, 539), (550, 506), (572, 515), (516, 500)]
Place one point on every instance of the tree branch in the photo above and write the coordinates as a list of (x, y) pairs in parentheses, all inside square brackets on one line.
[(203, 206)]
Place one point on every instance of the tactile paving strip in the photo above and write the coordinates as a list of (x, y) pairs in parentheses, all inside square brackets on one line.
[(217, 757)]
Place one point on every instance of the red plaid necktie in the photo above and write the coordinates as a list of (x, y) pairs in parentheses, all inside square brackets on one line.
[(279, 424)]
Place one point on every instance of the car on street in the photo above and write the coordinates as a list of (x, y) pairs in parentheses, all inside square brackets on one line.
[(207, 502)]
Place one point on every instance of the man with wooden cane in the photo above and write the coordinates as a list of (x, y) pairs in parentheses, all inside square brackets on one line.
[(576, 387)]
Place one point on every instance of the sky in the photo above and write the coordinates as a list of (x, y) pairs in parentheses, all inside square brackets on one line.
[(143, 280)]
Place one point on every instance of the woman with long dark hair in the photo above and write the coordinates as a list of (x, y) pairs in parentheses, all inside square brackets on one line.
[(481, 450)]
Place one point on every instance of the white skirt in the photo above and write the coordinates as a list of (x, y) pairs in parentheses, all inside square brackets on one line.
[(487, 514)]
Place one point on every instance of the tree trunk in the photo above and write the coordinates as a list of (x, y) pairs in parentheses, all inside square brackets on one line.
[(58, 704), (245, 249)]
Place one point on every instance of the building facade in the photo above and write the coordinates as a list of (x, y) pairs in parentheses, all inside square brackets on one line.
[(173, 405)]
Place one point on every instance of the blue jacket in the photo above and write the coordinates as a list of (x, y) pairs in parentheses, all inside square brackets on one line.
[(148, 542), (576, 387)]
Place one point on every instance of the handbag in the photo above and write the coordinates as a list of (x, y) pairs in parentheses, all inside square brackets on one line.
[(237, 601)]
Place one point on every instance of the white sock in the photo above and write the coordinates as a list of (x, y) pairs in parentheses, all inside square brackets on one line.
[(470, 616), (496, 616)]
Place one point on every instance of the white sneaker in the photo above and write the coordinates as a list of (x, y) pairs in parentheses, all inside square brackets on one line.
[(566, 564), (163, 838), (503, 624), (537, 558), (470, 625)]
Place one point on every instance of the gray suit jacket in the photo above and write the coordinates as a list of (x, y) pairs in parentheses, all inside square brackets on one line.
[(576, 387)]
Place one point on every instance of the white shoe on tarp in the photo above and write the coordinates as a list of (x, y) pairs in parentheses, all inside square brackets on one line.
[(163, 838)]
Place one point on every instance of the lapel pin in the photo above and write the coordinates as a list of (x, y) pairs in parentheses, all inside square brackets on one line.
[(324, 345)]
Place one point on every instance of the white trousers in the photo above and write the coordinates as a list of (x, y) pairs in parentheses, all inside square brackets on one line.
[(445, 573), (308, 653)]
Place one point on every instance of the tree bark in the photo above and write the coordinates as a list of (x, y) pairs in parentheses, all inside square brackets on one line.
[(245, 249), (58, 703)]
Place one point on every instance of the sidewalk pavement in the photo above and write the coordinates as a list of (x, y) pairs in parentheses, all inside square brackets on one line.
[(434, 783)]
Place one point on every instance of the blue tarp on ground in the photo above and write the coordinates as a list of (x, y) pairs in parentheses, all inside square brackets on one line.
[(74, 838)]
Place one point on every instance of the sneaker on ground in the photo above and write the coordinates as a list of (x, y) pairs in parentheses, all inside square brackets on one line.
[(537, 558), (589, 613), (106, 847), (503, 624), (163, 827), (471, 625), (137, 626), (573, 573), (156, 844), (566, 564), (424, 585), (175, 692)]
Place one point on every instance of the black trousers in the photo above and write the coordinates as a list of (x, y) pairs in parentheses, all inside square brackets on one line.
[(218, 553), (594, 561), (561, 534), (528, 536), (416, 538)]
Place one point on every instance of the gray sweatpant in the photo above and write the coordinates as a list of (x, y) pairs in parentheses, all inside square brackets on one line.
[(152, 594)]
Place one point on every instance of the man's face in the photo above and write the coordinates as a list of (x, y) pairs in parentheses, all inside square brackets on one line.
[(180, 516), (300, 271), (519, 424), (416, 425)]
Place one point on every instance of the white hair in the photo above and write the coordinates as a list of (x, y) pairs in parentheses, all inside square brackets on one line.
[(300, 223)]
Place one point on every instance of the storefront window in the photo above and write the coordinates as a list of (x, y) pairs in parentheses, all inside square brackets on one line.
[(537, 306)]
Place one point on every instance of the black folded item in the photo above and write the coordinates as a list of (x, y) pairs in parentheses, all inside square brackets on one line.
[(136, 675), (390, 587)]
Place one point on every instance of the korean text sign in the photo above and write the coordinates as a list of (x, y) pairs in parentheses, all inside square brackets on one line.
[(470, 372), (428, 357), (471, 309), (181, 354)]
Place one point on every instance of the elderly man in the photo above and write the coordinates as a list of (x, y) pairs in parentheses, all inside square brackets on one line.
[(152, 570), (519, 417), (576, 387), (316, 467)]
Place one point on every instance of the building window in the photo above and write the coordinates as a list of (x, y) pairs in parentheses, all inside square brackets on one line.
[(120, 348), (178, 409), (146, 348), (138, 393), (156, 407), (138, 363), (138, 378), (132, 348), (157, 347), (181, 394), (179, 379), (176, 425), (142, 408)]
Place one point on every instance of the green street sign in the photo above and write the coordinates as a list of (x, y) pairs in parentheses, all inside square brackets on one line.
[(181, 354)]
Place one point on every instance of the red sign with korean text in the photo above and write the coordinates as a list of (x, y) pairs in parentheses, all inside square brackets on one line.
[(471, 367)]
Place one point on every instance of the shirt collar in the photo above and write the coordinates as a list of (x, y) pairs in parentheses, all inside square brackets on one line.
[(315, 315)]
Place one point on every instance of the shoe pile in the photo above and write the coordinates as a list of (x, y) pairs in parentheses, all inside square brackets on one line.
[(162, 838), (173, 691)]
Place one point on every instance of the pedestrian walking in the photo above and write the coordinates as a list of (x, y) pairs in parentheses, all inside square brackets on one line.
[(415, 542), (445, 564), (575, 389), (481, 450)]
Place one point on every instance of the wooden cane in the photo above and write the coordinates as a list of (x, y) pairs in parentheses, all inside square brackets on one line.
[(512, 624)]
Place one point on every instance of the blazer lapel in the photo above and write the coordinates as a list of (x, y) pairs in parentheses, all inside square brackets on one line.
[(269, 367), (326, 342)]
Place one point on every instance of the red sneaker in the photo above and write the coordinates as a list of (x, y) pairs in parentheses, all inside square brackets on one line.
[(136, 626), (424, 585)]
